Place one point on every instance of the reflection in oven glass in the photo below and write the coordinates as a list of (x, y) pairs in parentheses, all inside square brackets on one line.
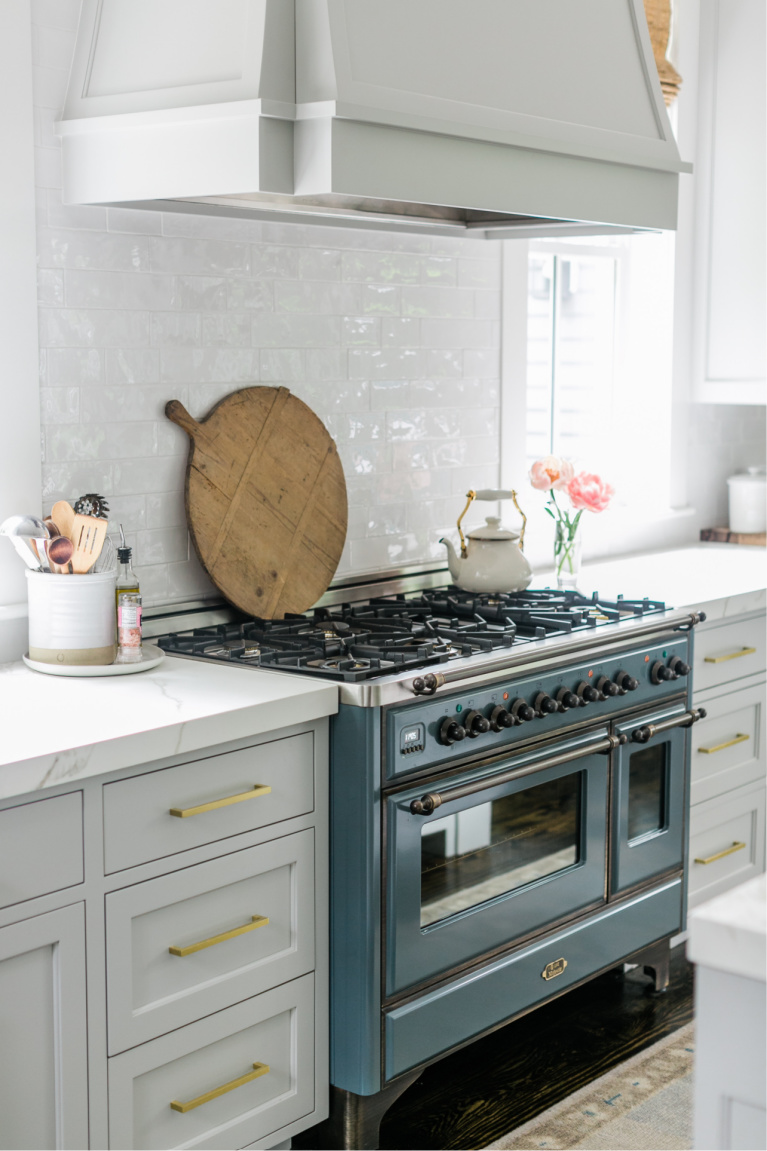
[(647, 791), (496, 847)]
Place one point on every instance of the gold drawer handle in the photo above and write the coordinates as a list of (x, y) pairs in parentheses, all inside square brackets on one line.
[(253, 793), (257, 921), (258, 1070), (721, 854), (739, 738), (732, 655)]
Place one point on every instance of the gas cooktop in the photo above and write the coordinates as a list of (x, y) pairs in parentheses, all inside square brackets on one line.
[(391, 634)]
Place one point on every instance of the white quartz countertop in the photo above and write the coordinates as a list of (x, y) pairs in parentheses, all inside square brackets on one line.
[(729, 932), (56, 729), (724, 579)]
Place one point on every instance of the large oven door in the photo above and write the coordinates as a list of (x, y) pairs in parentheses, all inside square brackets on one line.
[(521, 846), (649, 798)]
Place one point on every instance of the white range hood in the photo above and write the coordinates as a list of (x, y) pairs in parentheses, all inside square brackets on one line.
[(470, 117)]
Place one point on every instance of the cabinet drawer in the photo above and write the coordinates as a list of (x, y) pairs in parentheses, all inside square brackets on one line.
[(151, 989), (728, 652), (728, 745), (717, 828), (274, 1029), (41, 847), (212, 798)]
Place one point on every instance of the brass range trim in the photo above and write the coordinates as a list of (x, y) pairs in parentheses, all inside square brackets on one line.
[(553, 969)]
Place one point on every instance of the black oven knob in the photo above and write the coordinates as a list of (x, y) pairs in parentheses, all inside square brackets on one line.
[(475, 724), (626, 682), (607, 687), (586, 693), (500, 718), (660, 673), (451, 731), (678, 666), (566, 698), (522, 711), (545, 705)]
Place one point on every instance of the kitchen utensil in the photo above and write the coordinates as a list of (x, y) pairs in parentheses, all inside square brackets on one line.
[(22, 530), (492, 561), (92, 505), (64, 516), (265, 499), (150, 657), (60, 551), (748, 501), (107, 560), (88, 535), (39, 547)]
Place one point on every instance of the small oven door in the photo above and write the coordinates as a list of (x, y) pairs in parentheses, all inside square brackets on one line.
[(649, 798), (497, 862)]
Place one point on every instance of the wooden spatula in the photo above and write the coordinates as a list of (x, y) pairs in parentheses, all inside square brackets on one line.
[(88, 535)]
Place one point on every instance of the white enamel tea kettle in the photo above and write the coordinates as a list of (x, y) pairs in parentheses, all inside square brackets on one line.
[(492, 561)]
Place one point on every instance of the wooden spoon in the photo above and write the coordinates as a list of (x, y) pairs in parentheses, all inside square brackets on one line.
[(64, 516)]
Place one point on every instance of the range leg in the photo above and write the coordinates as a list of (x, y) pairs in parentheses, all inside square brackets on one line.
[(355, 1120), (655, 962)]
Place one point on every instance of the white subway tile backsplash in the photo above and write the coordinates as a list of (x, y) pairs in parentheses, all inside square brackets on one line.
[(392, 339)]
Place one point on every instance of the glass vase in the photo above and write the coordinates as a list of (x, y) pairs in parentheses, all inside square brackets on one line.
[(567, 556)]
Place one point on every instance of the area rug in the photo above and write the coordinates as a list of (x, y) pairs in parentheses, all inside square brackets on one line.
[(643, 1104)]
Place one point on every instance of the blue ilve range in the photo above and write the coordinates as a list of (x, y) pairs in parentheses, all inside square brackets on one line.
[(510, 793)]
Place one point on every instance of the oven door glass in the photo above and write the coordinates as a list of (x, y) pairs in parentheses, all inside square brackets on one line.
[(648, 803), (494, 865)]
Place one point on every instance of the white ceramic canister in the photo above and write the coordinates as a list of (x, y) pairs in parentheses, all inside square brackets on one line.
[(72, 617), (748, 501)]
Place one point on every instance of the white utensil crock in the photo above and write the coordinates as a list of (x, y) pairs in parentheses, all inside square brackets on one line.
[(748, 501), (71, 617)]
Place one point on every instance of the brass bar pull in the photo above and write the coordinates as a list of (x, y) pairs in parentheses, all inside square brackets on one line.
[(739, 738), (721, 854), (258, 1070), (255, 791), (257, 921), (731, 655)]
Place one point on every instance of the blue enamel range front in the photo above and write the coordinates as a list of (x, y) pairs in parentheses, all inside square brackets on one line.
[(509, 811)]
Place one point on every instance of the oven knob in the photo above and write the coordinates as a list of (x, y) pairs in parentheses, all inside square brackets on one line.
[(678, 666), (660, 673), (500, 718), (544, 705), (607, 687), (586, 693), (475, 724), (626, 682), (567, 698), (451, 732), (522, 711)]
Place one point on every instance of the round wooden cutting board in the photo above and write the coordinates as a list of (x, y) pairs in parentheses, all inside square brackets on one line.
[(265, 500)]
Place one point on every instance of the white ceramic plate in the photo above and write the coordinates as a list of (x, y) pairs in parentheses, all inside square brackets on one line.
[(150, 657)]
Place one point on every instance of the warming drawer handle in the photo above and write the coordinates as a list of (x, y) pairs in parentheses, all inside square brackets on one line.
[(737, 846), (432, 800), (254, 792), (256, 921), (258, 1070), (645, 733), (730, 655)]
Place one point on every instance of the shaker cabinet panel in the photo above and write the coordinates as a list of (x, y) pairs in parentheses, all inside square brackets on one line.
[(729, 652), (155, 815), (41, 847), (728, 745), (43, 1053), (222, 1082), (726, 842), (188, 944)]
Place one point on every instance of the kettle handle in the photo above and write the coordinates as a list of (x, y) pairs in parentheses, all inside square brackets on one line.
[(492, 494)]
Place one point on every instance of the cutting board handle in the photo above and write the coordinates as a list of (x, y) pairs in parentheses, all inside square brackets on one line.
[(177, 413)]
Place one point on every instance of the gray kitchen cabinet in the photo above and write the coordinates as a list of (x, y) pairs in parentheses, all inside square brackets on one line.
[(43, 1043), (201, 926), (727, 816)]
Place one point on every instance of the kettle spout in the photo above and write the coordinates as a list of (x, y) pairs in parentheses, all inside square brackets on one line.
[(453, 561)]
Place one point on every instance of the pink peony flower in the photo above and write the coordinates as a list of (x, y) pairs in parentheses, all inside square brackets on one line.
[(551, 472), (590, 492)]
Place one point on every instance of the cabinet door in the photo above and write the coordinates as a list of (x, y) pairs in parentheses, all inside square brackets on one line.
[(43, 1060)]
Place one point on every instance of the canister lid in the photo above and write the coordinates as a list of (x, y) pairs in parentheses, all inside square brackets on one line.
[(756, 475)]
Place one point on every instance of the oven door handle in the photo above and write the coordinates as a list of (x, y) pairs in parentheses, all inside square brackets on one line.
[(646, 733), (434, 799)]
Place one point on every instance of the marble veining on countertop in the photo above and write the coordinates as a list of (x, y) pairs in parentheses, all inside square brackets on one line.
[(57, 729), (729, 932)]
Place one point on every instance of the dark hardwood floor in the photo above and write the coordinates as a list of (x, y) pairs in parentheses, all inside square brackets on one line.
[(471, 1098)]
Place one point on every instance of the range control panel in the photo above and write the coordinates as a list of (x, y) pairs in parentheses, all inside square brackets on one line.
[(450, 726)]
